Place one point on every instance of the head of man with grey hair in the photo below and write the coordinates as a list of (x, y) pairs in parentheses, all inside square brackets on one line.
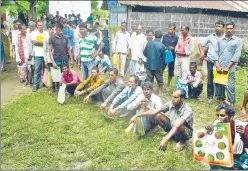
[(138, 29), (31, 26)]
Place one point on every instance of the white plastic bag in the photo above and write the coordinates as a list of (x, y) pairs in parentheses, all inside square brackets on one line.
[(61, 94), (140, 71), (56, 74)]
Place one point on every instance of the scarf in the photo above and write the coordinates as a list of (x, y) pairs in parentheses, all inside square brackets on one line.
[(68, 78), (21, 49)]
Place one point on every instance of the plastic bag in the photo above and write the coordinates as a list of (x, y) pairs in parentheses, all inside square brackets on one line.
[(168, 57), (141, 71), (115, 59), (61, 94), (47, 78), (22, 72), (56, 74)]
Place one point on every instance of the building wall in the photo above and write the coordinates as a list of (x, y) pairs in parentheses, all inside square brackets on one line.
[(201, 25)]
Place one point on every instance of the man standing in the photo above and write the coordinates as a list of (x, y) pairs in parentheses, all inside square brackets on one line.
[(120, 47), (177, 120), (90, 18), (211, 42), (37, 38), (59, 48), (87, 44), (183, 50), (154, 53), (170, 41), (108, 91), (14, 36), (226, 57), (136, 47)]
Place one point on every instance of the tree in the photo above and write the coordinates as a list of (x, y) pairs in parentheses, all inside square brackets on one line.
[(97, 11), (24, 9)]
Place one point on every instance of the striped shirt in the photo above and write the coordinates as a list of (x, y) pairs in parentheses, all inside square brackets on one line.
[(87, 47)]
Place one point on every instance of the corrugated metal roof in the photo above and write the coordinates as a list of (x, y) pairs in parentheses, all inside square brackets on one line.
[(240, 6)]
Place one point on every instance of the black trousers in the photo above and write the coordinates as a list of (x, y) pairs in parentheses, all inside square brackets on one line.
[(158, 74), (210, 84), (195, 92), (71, 89)]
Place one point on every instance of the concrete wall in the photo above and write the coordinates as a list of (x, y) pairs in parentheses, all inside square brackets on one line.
[(201, 25)]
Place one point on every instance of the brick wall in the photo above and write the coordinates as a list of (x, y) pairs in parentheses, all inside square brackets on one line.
[(201, 25)]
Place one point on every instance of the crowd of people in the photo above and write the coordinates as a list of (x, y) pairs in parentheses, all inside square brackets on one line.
[(56, 44)]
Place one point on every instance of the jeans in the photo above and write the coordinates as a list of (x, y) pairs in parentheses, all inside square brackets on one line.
[(133, 65), (38, 61), (60, 63), (210, 84), (86, 68)]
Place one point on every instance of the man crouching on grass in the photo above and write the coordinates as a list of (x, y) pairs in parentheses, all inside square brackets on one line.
[(177, 120)]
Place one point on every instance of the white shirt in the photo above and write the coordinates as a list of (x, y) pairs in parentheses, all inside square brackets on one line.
[(27, 47), (99, 21), (154, 102), (14, 36), (121, 42), (40, 37), (136, 44)]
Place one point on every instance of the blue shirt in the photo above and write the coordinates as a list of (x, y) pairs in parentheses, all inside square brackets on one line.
[(170, 41), (128, 94), (154, 52), (211, 41), (68, 32), (90, 18), (228, 51)]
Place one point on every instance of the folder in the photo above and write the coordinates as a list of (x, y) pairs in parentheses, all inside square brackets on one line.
[(220, 78)]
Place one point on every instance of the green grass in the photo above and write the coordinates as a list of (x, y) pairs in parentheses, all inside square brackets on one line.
[(4, 75), (38, 133)]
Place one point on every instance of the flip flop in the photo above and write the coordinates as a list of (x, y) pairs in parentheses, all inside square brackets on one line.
[(179, 147)]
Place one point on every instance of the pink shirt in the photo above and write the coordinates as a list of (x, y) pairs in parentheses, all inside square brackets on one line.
[(73, 75), (185, 46)]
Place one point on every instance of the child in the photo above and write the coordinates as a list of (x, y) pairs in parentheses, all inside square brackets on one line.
[(103, 63)]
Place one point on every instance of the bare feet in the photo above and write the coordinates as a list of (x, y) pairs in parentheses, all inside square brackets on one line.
[(243, 111), (179, 146)]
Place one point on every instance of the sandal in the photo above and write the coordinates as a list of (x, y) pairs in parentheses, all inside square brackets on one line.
[(179, 147)]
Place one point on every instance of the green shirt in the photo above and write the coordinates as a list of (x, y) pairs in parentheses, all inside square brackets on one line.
[(87, 47)]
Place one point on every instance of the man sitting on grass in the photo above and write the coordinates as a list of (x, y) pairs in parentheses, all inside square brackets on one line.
[(90, 84), (108, 91), (225, 114), (123, 100), (194, 80), (177, 120), (144, 102)]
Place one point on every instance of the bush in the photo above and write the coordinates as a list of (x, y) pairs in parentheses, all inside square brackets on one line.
[(243, 57)]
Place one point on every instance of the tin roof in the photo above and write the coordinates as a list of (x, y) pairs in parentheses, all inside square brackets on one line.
[(239, 6)]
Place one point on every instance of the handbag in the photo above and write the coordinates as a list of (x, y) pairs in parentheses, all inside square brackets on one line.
[(56, 74), (141, 71), (22, 72), (47, 78), (168, 57), (182, 86)]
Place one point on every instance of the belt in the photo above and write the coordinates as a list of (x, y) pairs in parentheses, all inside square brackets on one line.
[(182, 56)]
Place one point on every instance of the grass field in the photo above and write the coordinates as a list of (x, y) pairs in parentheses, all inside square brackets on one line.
[(38, 133)]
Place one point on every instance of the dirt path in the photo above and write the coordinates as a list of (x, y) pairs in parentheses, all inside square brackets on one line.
[(11, 86)]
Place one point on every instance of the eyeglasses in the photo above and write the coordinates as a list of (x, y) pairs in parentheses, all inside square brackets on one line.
[(220, 115)]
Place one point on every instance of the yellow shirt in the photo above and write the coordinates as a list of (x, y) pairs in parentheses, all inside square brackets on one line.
[(94, 83)]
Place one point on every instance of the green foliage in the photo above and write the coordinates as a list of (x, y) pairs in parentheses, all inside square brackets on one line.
[(13, 9), (41, 7), (244, 57), (97, 11)]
